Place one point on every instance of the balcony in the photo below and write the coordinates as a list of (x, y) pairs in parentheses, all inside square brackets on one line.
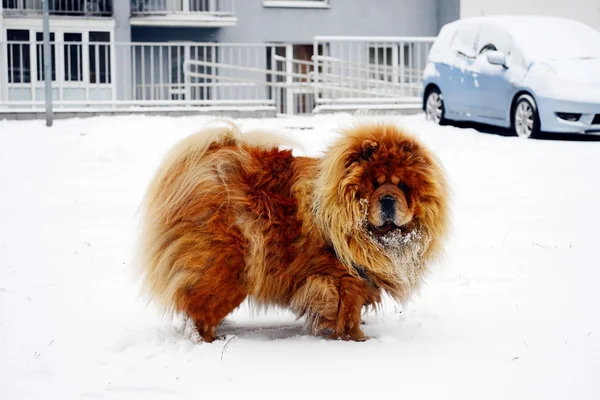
[(70, 8), (183, 13)]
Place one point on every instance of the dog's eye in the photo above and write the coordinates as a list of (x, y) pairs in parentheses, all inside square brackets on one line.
[(403, 186)]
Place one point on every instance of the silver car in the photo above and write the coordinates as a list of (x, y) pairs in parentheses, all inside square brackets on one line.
[(527, 73)]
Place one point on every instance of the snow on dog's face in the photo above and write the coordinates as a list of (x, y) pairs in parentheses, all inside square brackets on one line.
[(380, 192)]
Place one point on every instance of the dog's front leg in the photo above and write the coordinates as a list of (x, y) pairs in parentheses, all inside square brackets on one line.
[(353, 293)]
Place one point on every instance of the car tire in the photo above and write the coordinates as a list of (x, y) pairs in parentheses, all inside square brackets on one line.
[(434, 106), (525, 117)]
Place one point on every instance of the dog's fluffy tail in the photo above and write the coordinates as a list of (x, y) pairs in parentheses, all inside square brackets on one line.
[(197, 170), (185, 173)]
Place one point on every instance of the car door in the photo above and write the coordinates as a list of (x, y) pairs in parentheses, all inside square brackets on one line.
[(492, 83), (460, 81)]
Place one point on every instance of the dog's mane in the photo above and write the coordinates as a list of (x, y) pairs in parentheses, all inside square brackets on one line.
[(399, 267)]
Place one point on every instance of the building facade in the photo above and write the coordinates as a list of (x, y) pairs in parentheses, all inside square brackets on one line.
[(110, 51)]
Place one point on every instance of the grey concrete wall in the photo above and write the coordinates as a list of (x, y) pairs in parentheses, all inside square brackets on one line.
[(122, 58), (448, 11), (122, 27), (257, 23)]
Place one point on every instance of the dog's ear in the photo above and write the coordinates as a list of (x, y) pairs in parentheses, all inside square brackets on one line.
[(368, 147)]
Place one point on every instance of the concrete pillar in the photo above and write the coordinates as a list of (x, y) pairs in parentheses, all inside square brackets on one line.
[(122, 51)]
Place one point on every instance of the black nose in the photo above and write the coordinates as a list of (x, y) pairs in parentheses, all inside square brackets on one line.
[(388, 208)]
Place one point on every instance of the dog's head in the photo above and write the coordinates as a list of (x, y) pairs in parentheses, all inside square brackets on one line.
[(386, 185), (381, 196)]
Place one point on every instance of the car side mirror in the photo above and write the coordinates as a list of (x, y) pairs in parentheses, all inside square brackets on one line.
[(496, 58)]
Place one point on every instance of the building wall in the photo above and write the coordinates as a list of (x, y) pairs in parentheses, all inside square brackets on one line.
[(122, 34), (121, 10), (260, 24), (448, 11), (257, 23), (587, 11)]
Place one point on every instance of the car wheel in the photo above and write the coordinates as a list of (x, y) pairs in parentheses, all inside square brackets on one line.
[(434, 106), (526, 121)]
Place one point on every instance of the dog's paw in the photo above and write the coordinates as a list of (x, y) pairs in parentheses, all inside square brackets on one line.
[(357, 336)]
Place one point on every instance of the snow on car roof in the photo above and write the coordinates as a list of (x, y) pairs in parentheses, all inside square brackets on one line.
[(542, 38)]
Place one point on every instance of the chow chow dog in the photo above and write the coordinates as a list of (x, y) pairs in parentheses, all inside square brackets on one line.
[(230, 216)]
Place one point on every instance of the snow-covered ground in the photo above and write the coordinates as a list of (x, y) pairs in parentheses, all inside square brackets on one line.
[(512, 313)]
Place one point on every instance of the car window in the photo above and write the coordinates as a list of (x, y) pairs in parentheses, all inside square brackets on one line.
[(488, 47), (494, 38), (443, 42), (465, 41)]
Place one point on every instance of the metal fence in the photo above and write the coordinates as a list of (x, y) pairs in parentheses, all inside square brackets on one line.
[(58, 7), (160, 7), (203, 73), (351, 70), (101, 74), (96, 74)]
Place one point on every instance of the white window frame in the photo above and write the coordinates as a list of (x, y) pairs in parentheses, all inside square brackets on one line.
[(389, 64), (296, 4), (60, 83)]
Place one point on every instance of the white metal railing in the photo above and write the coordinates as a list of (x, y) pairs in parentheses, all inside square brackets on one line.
[(279, 83), (163, 71), (161, 7), (108, 75), (369, 69), (295, 91), (91, 72), (103, 8)]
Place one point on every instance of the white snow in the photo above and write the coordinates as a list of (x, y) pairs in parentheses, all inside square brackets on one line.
[(540, 38), (513, 312)]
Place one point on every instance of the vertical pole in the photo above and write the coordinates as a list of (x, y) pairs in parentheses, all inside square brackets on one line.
[(395, 64), (315, 76), (47, 64), (289, 80)]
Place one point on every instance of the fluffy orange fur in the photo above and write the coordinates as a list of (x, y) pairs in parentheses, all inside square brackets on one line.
[(230, 216)]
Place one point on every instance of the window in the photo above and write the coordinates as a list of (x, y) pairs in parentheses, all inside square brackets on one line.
[(10, 4), (488, 47), (39, 52), (200, 6), (466, 39), (380, 62), (99, 57), (24, 57), (495, 37), (72, 57), (19, 63)]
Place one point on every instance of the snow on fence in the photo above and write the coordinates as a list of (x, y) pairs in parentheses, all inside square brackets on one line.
[(96, 74)]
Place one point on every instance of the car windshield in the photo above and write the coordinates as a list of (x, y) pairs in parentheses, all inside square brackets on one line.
[(556, 40)]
